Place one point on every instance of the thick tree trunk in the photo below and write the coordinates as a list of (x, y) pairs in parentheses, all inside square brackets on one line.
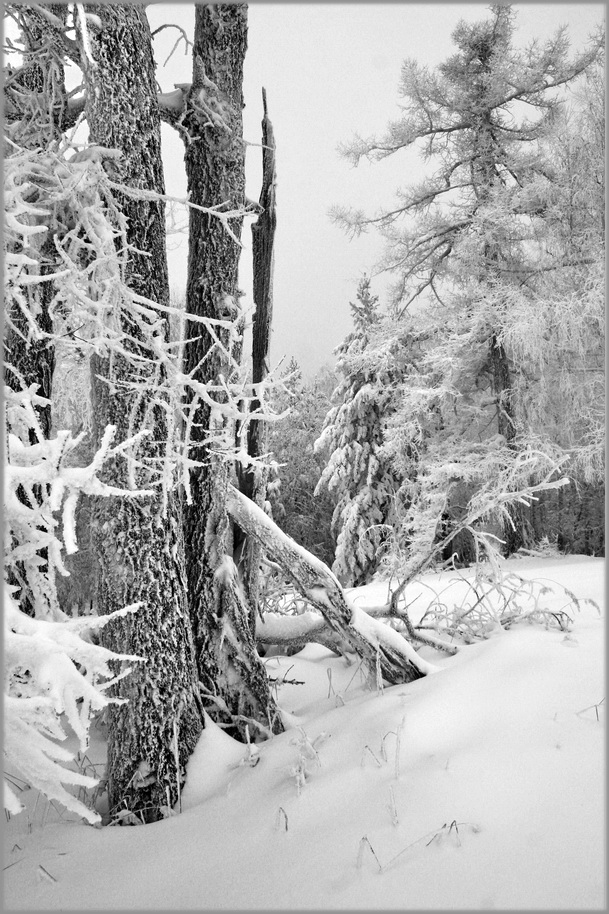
[(518, 533), (140, 551), (232, 675), (485, 170)]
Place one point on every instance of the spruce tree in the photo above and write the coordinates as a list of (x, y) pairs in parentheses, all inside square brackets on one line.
[(357, 475)]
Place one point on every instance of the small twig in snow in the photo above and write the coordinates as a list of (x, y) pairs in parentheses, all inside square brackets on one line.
[(365, 843), (372, 754), (589, 708), (46, 872), (393, 808), (281, 816), (398, 739), (383, 750)]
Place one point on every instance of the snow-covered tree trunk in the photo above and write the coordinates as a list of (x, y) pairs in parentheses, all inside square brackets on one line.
[(230, 671), (485, 175), (35, 97), (386, 654), (140, 549)]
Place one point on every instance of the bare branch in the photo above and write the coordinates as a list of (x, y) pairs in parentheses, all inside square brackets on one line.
[(182, 37)]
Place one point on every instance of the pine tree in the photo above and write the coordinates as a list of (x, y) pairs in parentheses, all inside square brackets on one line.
[(356, 475), (557, 327), (462, 243)]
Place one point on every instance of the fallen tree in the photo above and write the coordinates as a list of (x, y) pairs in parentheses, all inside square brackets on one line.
[(294, 631), (385, 653)]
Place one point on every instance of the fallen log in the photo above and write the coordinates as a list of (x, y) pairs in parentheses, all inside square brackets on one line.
[(385, 653)]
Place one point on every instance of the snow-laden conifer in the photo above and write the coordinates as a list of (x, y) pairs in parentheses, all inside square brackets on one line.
[(301, 513), (55, 676), (497, 273), (357, 476)]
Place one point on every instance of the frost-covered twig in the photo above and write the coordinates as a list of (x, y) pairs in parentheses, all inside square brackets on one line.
[(94, 310), (496, 598), (50, 664)]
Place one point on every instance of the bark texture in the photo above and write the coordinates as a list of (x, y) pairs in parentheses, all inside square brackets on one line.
[(263, 239), (232, 676), (36, 105), (254, 481), (140, 552)]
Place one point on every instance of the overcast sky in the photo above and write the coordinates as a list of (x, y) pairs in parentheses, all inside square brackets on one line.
[(329, 70)]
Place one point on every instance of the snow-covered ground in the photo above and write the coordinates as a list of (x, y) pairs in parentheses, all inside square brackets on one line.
[(479, 786)]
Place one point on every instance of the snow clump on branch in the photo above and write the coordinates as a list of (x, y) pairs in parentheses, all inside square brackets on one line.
[(52, 669)]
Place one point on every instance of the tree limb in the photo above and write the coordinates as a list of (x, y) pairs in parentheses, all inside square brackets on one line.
[(384, 651), (296, 631)]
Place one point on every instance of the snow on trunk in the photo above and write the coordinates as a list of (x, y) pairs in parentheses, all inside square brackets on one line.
[(140, 551), (232, 675)]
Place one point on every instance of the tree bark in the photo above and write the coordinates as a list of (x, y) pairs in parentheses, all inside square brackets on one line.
[(35, 97), (253, 482), (140, 551), (263, 239), (230, 671)]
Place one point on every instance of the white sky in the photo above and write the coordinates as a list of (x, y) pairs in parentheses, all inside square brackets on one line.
[(329, 70)]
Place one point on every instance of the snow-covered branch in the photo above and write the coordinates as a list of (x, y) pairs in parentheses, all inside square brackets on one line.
[(384, 651), (52, 668), (94, 310)]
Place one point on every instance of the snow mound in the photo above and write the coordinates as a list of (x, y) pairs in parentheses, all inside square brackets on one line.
[(479, 787)]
